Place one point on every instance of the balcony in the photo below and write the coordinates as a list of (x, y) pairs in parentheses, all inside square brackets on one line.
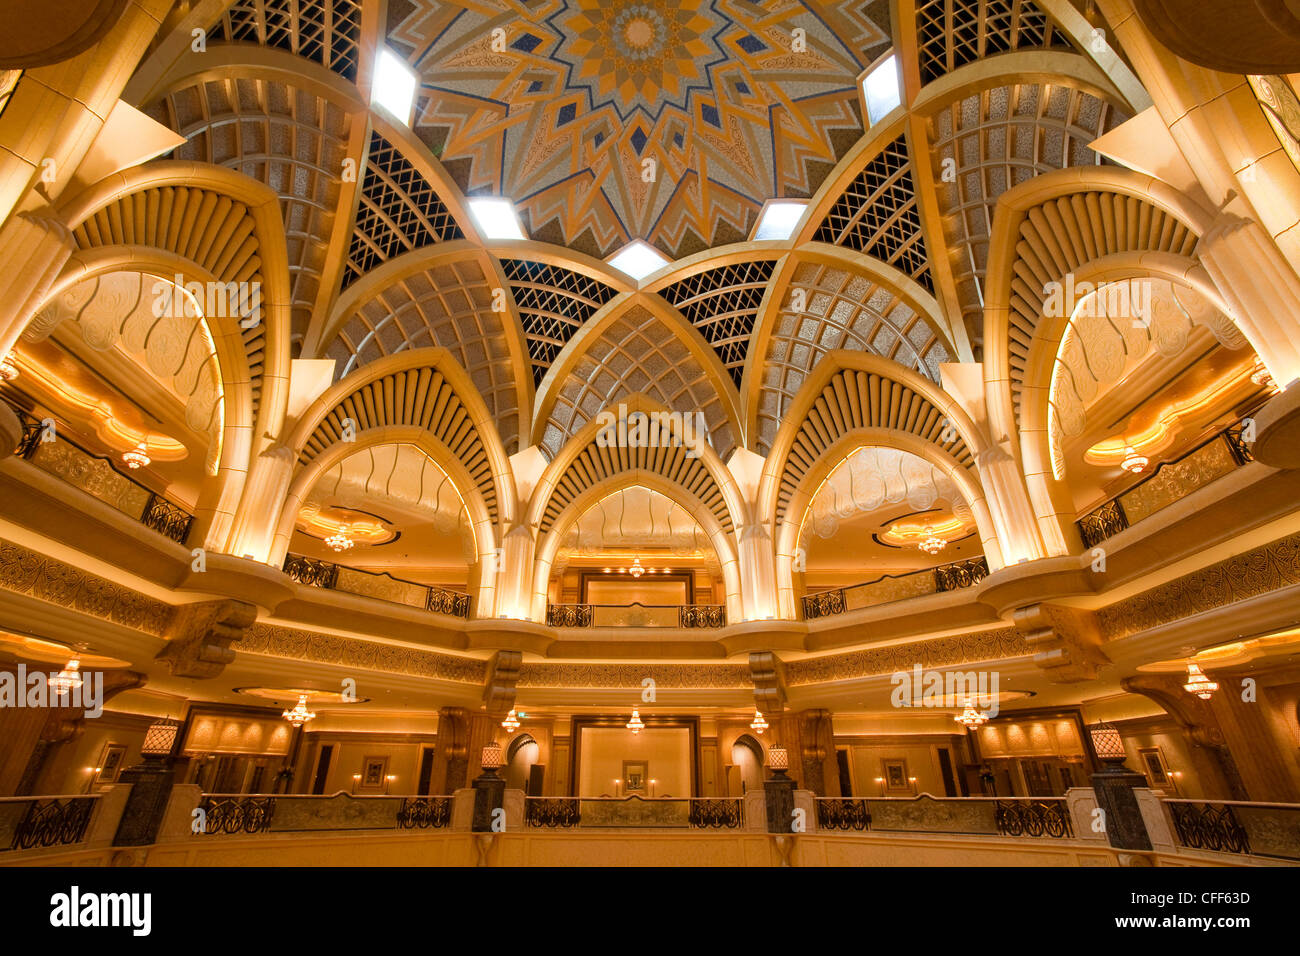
[(897, 587)]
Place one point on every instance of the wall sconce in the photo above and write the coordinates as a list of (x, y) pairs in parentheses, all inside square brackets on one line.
[(356, 779), (388, 782), (912, 781), (880, 782)]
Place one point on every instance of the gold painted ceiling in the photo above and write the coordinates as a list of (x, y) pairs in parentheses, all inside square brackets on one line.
[(609, 120)]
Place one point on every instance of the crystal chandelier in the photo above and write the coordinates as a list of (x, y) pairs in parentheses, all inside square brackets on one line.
[(8, 370), (636, 725), (636, 570), (300, 714), (137, 457), (511, 723), (339, 540), (1198, 683), (932, 543), (970, 717), (1133, 461), (758, 724), (68, 678)]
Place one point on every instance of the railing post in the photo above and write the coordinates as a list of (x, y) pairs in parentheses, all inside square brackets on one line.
[(1116, 787), (151, 790)]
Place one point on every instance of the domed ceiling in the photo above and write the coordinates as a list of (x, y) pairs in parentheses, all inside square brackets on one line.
[(609, 120)]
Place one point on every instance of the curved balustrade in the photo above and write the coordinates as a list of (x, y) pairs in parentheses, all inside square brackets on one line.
[(896, 587), (384, 587), (636, 615)]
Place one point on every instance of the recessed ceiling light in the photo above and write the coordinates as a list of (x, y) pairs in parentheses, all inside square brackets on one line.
[(394, 87), (881, 90), (779, 219), (639, 259), (496, 218)]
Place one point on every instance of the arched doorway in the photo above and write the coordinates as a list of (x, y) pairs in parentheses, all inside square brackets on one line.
[(747, 758), (521, 755)]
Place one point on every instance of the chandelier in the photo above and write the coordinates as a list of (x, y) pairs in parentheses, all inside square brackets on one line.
[(339, 540), (68, 678), (511, 723), (758, 724), (8, 370), (932, 543), (1133, 461), (636, 570), (300, 714), (970, 717), (636, 725), (137, 457), (1198, 683)]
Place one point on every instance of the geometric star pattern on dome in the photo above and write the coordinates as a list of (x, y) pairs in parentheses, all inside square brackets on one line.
[(574, 96)]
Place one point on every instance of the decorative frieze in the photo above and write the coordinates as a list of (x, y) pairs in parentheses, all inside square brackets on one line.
[(277, 641), (960, 649), (631, 675)]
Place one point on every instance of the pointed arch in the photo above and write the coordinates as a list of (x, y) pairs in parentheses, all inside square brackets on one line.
[(603, 362)]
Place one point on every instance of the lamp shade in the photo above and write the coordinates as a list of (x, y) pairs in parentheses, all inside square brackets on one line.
[(160, 738), (1107, 742), (492, 758), (778, 758)]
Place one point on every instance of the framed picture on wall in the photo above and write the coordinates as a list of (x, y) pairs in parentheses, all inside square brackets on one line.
[(635, 775), (1153, 763), (110, 763), (373, 771), (894, 772)]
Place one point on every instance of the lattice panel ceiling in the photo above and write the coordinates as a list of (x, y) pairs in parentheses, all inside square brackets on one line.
[(637, 353), (420, 397), (553, 303), (843, 310), (449, 306), (327, 31), (399, 211), (287, 138), (996, 140), (952, 33), (855, 399), (723, 304), (877, 215)]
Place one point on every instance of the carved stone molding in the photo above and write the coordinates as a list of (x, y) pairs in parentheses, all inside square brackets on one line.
[(1269, 567), (200, 635), (277, 641), (718, 676), (996, 645), (1066, 642), (27, 572), (503, 675), (767, 671)]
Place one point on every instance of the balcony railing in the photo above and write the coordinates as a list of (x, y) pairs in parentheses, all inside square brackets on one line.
[(1208, 826), (717, 814), (1238, 826), (55, 453), (838, 813), (636, 615), (896, 587), (1172, 480), (1034, 817), (325, 574), (233, 813), (28, 823), (699, 813), (552, 812)]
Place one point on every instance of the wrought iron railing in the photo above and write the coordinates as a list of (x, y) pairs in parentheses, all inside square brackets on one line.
[(716, 814), (1208, 826), (552, 812), (702, 615), (686, 616), (51, 821), (569, 615), (1033, 817), (946, 577), (424, 813), (838, 813), (158, 514), (1110, 518), (236, 813), (325, 574)]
